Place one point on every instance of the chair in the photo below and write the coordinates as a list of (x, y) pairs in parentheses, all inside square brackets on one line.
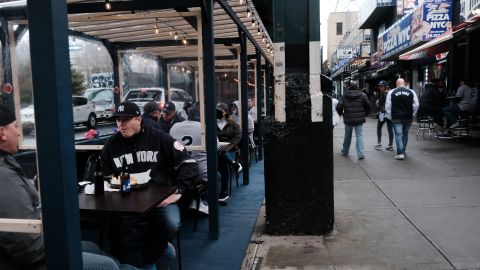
[(232, 171), (425, 123), (199, 190), (462, 130)]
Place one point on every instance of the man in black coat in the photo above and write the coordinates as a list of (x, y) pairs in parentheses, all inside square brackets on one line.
[(354, 106)]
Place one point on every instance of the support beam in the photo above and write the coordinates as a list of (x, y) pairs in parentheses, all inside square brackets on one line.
[(225, 57), (259, 102), (7, 69), (135, 5), (167, 43), (210, 100), (55, 138), (228, 9), (116, 67), (267, 90), (243, 103)]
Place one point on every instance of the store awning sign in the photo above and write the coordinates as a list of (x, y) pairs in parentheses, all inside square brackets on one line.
[(396, 38), (437, 18)]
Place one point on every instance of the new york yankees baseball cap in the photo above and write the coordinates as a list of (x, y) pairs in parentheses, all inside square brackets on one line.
[(127, 109)]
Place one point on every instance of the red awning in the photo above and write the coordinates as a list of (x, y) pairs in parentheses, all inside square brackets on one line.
[(439, 44)]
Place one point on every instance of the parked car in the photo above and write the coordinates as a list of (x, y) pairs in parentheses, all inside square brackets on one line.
[(178, 97), (140, 96), (28, 119), (83, 113), (102, 99)]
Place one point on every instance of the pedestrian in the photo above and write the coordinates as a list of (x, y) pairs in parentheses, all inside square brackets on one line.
[(19, 200), (401, 105), (354, 106), (335, 116), (383, 117), (165, 161)]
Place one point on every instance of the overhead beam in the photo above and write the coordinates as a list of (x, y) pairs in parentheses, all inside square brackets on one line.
[(228, 9), (135, 5), (225, 57), (166, 43)]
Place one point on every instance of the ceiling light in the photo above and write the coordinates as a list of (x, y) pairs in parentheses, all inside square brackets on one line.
[(108, 6), (156, 26), (175, 35), (253, 22), (249, 13), (184, 40), (259, 32)]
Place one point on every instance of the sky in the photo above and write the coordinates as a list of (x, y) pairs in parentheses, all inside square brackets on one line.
[(328, 6)]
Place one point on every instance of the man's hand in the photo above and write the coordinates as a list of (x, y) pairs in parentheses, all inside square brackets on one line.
[(226, 148), (170, 199)]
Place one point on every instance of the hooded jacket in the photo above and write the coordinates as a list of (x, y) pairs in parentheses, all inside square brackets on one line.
[(150, 150), (354, 106)]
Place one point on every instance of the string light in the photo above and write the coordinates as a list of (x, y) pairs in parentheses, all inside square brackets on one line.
[(99, 48), (249, 13), (108, 6), (184, 40), (183, 69), (175, 35), (130, 57), (263, 39), (253, 23), (156, 26), (259, 32)]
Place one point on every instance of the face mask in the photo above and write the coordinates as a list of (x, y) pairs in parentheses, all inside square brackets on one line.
[(219, 114)]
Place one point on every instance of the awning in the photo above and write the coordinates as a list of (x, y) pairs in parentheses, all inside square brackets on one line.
[(431, 48), (440, 44)]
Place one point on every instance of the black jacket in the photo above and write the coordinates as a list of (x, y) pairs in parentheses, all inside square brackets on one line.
[(354, 106), (432, 101), (166, 126), (230, 133), (154, 150), (148, 120)]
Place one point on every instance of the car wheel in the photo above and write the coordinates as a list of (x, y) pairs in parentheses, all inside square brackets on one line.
[(92, 121)]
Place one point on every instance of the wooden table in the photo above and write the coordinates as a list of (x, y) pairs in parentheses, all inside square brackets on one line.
[(116, 205)]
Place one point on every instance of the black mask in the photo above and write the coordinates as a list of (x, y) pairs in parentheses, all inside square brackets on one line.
[(219, 114)]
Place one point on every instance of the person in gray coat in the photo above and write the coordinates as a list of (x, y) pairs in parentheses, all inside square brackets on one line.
[(19, 200), (354, 106)]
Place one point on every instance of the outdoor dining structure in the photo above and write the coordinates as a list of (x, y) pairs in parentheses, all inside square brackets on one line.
[(203, 35)]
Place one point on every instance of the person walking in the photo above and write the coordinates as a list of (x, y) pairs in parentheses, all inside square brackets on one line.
[(401, 105), (354, 106), (383, 117)]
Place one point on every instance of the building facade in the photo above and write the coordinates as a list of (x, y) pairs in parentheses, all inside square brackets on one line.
[(339, 24)]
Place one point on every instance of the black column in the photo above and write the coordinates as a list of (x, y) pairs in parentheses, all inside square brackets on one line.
[(7, 64), (244, 109), (55, 139), (267, 89), (116, 69), (165, 80), (210, 115), (259, 105)]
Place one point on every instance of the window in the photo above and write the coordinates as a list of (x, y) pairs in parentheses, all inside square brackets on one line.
[(339, 29)]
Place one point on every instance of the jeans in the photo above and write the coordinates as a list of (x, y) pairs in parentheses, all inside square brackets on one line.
[(401, 135), (451, 113), (224, 160), (389, 129), (348, 139), (95, 259), (146, 237)]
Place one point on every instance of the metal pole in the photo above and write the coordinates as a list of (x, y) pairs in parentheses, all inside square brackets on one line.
[(244, 109), (55, 139), (259, 106), (208, 79)]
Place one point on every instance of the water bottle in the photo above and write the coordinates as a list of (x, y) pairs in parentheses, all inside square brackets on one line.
[(99, 187)]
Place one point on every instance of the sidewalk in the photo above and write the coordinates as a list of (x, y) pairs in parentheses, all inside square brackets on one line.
[(419, 213)]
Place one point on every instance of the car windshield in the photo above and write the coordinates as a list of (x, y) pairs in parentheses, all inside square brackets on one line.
[(92, 93), (144, 95), (103, 97)]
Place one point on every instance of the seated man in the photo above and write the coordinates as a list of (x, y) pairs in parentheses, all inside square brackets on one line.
[(147, 149), (431, 102), (467, 102), (169, 117), (236, 117), (19, 200), (151, 114)]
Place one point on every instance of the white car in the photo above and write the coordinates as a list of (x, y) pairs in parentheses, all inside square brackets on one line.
[(140, 96), (83, 113), (178, 97), (102, 99)]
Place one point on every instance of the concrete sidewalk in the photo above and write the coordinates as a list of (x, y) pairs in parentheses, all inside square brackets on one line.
[(419, 213)]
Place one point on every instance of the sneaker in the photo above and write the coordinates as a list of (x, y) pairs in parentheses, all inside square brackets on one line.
[(239, 167), (223, 197), (438, 128), (361, 157), (454, 125), (378, 146), (400, 157), (389, 148), (170, 253), (203, 207)]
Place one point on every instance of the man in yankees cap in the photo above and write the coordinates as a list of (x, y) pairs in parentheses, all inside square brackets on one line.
[(165, 160)]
